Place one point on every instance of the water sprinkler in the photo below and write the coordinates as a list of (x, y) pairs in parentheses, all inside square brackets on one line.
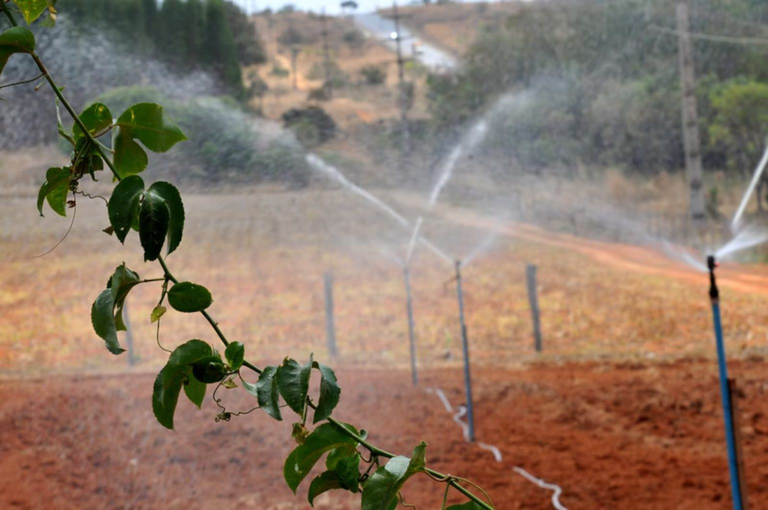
[(730, 437), (465, 348), (411, 333)]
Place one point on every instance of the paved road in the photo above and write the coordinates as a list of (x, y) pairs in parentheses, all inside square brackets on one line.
[(381, 28)]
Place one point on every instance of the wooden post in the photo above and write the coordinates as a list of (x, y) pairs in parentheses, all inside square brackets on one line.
[(533, 299), (330, 326), (411, 325), (129, 336)]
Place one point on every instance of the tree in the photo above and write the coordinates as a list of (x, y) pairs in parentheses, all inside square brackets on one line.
[(740, 122)]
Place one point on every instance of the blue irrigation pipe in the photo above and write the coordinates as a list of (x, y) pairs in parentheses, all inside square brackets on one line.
[(730, 437), (465, 347)]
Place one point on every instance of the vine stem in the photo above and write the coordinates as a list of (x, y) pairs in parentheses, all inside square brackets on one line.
[(375, 450), (205, 314), (63, 99)]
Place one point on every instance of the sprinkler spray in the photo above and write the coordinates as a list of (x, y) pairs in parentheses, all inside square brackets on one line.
[(411, 334), (465, 348), (730, 437)]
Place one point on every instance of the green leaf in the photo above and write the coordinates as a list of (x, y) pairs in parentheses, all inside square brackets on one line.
[(177, 373), (124, 205), (164, 399), (121, 283), (323, 439), (381, 489), (130, 158), (346, 466), (195, 391), (293, 382), (327, 481), (266, 391), (235, 354), (145, 122), (329, 393), (104, 322), (153, 225), (157, 312), (209, 370), (189, 297), (172, 198), (96, 118), (15, 40), (469, 505), (54, 190), (32, 9)]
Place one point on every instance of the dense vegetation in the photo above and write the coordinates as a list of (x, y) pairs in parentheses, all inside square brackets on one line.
[(213, 34), (596, 82)]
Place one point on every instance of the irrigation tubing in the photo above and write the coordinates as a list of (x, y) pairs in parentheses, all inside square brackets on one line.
[(557, 491), (459, 412)]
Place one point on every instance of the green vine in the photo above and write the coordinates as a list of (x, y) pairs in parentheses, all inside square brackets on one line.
[(157, 214)]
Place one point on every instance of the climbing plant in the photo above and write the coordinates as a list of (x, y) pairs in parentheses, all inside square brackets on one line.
[(156, 213)]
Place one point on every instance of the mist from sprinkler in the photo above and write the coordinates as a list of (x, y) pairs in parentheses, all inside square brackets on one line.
[(318, 164), (735, 223)]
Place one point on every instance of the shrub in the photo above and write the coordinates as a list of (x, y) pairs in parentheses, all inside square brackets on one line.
[(311, 125), (373, 74)]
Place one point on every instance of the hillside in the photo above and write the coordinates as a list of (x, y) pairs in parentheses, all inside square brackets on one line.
[(354, 101)]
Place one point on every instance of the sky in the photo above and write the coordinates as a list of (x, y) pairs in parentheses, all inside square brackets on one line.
[(331, 6)]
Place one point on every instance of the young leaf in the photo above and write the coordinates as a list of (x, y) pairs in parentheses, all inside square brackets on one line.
[(104, 322), (329, 393), (164, 399), (32, 9), (189, 297), (381, 489), (293, 382), (170, 194), (153, 225), (96, 118), (157, 312), (55, 190), (145, 122), (62, 132), (15, 40), (235, 354), (124, 205), (266, 391), (323, 439), (327, 481)]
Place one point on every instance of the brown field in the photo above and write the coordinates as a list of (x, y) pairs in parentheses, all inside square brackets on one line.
[(621, 409)]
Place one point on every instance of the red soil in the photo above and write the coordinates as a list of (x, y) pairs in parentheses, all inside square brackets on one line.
[(611, 435)]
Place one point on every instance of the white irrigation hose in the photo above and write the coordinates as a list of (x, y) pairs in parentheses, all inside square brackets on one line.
[(460, 412), (544, 485)]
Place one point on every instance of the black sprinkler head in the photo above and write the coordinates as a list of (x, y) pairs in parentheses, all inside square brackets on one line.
[(711, 264)]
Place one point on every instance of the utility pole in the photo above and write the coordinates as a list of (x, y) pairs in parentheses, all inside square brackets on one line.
[(691, 140), (401, 80), (328, 85)]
